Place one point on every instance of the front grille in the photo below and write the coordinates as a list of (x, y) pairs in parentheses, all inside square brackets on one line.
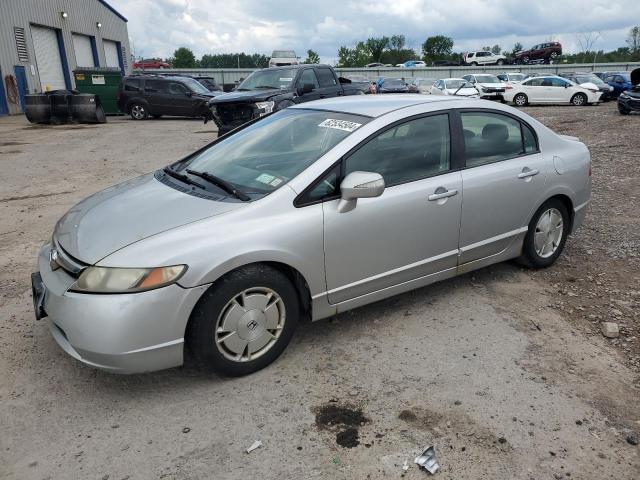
[(240, 113)]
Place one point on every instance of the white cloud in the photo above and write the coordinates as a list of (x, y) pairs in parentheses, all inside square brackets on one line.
[(158, 27)]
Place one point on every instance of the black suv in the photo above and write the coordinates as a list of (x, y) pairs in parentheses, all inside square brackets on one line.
[(142, 96)]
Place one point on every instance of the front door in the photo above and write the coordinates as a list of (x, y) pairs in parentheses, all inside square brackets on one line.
[(412, 229), (308, 76), (503, 179)]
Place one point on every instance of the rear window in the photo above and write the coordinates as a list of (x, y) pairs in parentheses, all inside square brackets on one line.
[(155, 85)]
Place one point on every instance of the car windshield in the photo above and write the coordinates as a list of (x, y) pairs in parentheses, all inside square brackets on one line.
[(284, 54), (269, 78), (392, 82), (487, 79), (626, 76), (455, 83), (194, 85), (585, 78), (267, 154)]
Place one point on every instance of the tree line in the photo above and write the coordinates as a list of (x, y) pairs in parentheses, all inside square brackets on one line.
[(394, 50)]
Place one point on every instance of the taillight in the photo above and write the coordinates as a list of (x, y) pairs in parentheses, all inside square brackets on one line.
[(508, 87)]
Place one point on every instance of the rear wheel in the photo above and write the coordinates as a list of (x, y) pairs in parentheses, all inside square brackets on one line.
[(520, 100), (579, 100), (525, 60), (138, 111), (547, 234), (500, 62), (474, 64), (553, 56), (244, 321)]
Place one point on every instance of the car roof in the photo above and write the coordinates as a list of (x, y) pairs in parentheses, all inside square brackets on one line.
[(372, 105)]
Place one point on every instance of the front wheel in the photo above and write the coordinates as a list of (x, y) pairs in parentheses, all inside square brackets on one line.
[(474, 64), (579, 100), (500, 62), (244, 321), (622, 110), (547, 234), (520, 100)]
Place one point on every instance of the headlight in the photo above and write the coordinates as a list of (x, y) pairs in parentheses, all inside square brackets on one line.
[(624, 95), (265, 107), (126, 280)]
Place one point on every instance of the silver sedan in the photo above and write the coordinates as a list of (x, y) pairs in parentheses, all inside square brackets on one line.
[(310, 211)]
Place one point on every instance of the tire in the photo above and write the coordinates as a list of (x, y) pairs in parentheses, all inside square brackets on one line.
[(579, 100), (227, 305), (525, 60), (622, 110), (550, 243), (520, 100), (474, 64), (101, 117), (553, 56), (500, 62), (138, 111)]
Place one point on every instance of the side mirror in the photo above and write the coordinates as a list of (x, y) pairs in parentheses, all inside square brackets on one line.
[(306, 88), (359, 185)]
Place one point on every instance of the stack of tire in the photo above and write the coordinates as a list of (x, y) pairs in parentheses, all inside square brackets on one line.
[(64, 106)]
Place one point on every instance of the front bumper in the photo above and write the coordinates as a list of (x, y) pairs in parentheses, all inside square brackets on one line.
[(121, 333), (629, 103)]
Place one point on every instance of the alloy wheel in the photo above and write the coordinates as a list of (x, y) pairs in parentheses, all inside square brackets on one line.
[(578, 100), (548, 233), (250, 324), (137, 111), (520, 100)]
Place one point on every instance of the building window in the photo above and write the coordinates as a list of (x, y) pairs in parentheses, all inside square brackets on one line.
[(21, 44)]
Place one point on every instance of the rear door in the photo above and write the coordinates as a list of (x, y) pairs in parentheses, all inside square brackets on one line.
[(503, 179), (154, 91), (329, 86)]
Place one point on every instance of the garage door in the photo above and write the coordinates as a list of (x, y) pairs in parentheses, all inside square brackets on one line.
[(84, 52), (111, 53), (45, 44)]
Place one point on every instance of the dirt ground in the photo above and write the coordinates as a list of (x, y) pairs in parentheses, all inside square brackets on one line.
[(504, 370)]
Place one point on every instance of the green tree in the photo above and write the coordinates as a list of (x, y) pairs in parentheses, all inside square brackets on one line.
[(376, 46), (516, 48), (397, 42), (438, 47), (633, 40), (183, 57), (357, 56), (496, 49), (312, 57)]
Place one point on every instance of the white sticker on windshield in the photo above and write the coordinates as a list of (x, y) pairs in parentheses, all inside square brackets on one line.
[(265, 178), (345, 125), (286, 79)]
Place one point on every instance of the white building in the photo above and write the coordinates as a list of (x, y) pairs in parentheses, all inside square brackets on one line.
[(43, 41)]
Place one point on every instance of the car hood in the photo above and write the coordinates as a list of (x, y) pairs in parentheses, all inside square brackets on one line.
[(249, 96), (126, 213)]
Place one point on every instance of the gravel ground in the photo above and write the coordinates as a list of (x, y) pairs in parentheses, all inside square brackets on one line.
[(504, 370)]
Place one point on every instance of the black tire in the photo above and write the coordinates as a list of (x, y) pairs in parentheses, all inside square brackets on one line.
[(622, 110), (138, 111), (530, 256), (500, 62), (579, 100), (520, 100), (101, 117), (200, 336), (525, 60)]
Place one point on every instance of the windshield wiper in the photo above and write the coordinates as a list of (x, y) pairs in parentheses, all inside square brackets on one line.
[(182, 176), (223, 184), (266, 86)]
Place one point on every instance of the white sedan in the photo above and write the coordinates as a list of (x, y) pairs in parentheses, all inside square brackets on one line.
[(454, 86), (550, 89)]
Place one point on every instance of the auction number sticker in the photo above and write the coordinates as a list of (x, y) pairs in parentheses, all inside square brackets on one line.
[(345, 125)]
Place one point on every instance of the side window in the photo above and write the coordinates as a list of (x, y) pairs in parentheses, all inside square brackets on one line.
[(324, 188), (490, 137), (410, 151), (470, 54), (154, 85), (619, 79), (132, 85), (177, 89), (326, 77), (308, 76), (530, 144), (558, 82)]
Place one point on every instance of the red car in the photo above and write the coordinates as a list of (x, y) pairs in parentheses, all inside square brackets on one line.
[(151, 63), (547, 52)]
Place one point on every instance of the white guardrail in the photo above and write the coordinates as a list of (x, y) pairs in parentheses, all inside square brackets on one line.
[(232, 75)]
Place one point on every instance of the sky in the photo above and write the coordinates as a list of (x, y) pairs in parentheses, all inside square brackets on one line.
[(158, 27)]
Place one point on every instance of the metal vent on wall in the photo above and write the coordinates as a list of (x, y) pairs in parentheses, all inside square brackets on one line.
[(21, 44), (124, 58)]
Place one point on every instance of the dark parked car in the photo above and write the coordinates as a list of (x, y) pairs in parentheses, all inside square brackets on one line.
[(445, 63), (142, 96), (547, 52), (620, 81), (358, 81), (268, 90), (580, 78), (209, 83), (629, 100), (392, 85)]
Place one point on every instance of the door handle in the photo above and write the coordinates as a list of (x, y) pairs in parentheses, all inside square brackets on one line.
[(527, 172), (440, 195)]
